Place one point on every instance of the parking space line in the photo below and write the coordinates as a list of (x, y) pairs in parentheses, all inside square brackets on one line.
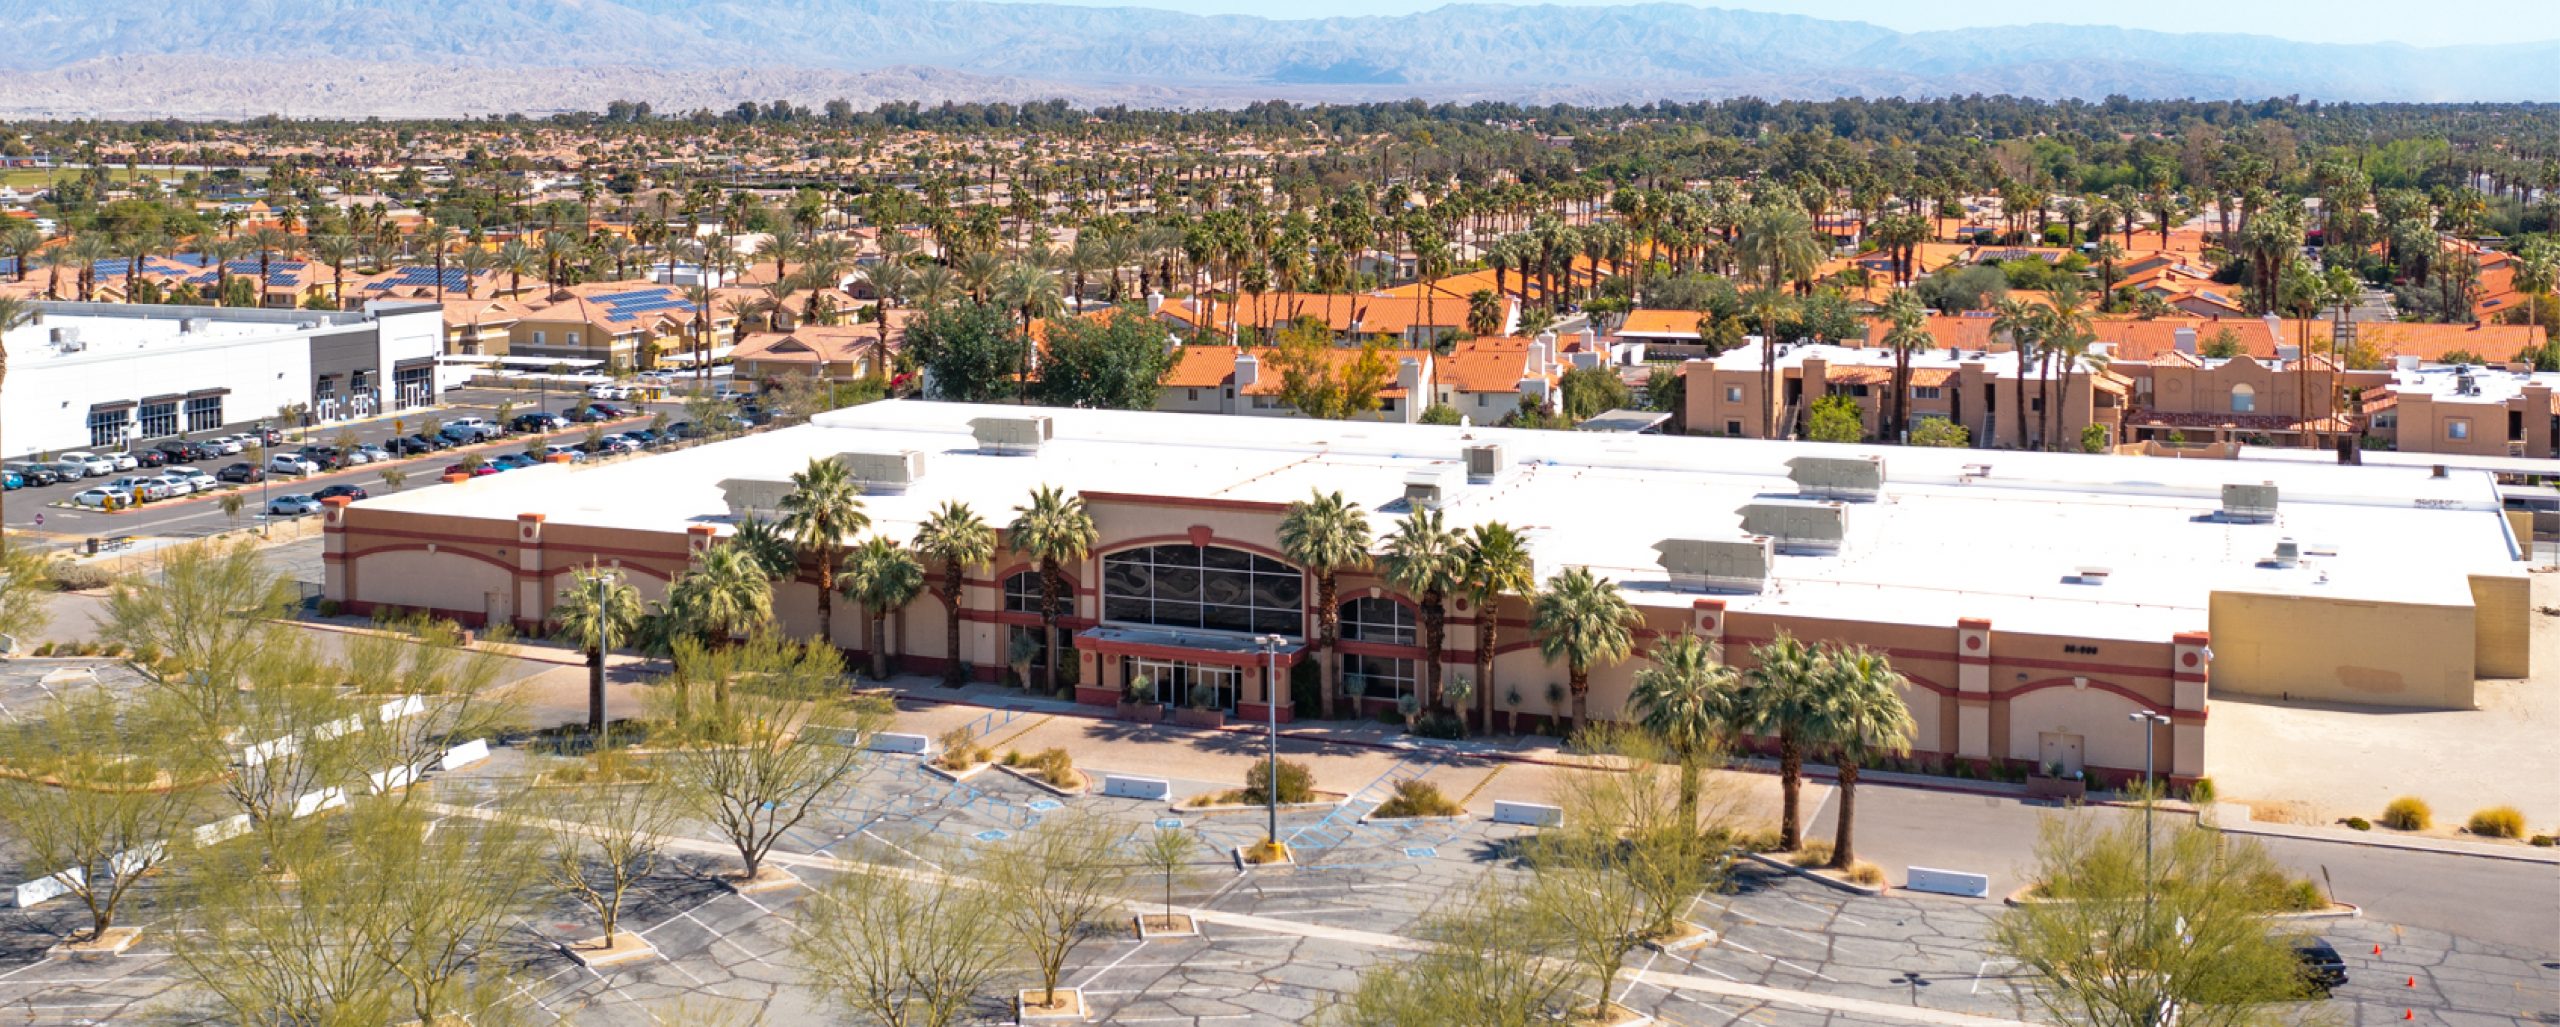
[(1797, 967)]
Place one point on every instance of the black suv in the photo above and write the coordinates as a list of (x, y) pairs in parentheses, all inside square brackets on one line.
[(536, 421), (37, 474), (2322, 967)]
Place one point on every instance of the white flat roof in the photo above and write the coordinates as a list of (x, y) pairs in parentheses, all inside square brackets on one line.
[(158, 330), (1957, 532)]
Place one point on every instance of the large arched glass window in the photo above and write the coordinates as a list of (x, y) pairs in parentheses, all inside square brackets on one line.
[(1372, 619), (2243, 399), (1209, 587), (1022, 593)]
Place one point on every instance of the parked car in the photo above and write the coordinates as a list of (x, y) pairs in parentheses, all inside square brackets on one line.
[(537, 421), (36, 474), (575, 455), (103, 497), (352, 492), (482, 470), (123, 461), (374, 454), (292, 463), (226, 445), (12, 481), (404, 446), (243, 474), (203, 482), (471, 429), (265, 436), (588, 415), (354, 457), (90, 465), (179, 449), (293, 505), (2321, 964), (607, 392), (151, 458), (149, 490), (510, 461)]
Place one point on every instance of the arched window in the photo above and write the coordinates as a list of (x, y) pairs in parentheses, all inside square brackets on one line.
[(2243, 399), (1209, 587), (1373, 619), (1022, 593)]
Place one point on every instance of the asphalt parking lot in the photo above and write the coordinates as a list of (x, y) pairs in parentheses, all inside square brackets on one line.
[(1277, 946)]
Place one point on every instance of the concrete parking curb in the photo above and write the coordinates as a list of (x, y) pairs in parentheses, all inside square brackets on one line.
[(1834, 883)]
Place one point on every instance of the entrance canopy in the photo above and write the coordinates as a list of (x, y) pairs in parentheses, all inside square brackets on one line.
[(1213, 647)]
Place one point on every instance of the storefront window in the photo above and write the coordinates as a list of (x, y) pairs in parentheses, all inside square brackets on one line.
[(1376, 677), (1209, 587), (1373, 619)]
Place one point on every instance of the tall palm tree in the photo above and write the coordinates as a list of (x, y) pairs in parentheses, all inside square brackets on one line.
[(269, 243), (767, 544), (1325, 534), (1493, 562), (728, 596), (1687, 698), (958, 539), (1785, 699), (883, 576), (336, 250), (1906, 333), (1422, 559), (1583, 620), (1776, 247), (823, 508), (2068, 333), (2023, 323), (20, 240), (2537, 269), (593, 610), (1054, 530), (1863, 717)]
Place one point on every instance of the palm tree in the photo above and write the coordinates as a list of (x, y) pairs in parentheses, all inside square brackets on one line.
[(2067, 335), (1777, 246), (1326, 533), (2023, 323), (21, 240), (957, 539), (335, 251), (882, 576), (2537, 269), (729, 595), (1054, 530), (1422, 559), (595, 609), (1863, 717), (1906, 333), (1584, 621), (1784, 699), (768, 546), (1687, 698), (1493, 562), (822, 509)]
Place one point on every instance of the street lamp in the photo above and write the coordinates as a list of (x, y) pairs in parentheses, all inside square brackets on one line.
[(1270, 646), (2150, 721)]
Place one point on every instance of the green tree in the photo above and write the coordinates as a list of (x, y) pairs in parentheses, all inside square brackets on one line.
[(1836, 418), (823, 508), (1591, 391), (1440, 413), (593, 610), (1785, 699), (970, 351), (1423, 559), (1864, 718), (1687, 698), (1940, 432), (729, 595), (957, 539), (1326, 534), (1666, 391), (1054, 530), (1583, 620), (1906, 334), (1494, 562), (1319, 381), (884, 577), (97, 791), (1117, 364), (1490, 963)]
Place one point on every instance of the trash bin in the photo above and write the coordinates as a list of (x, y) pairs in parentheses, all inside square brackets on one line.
[(93, 547)]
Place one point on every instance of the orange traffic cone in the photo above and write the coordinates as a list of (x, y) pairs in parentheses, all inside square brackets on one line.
[(2413, 982), (2377, 949), (2408, 1014)]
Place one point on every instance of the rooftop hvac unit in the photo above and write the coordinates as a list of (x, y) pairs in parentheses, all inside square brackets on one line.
[(1798, 527), (1426, 489), (752, 497), (68, 340), (1837, 477), (2288, 553), (1484, 463), (2249, 504), (192, 325), (1023, 434), (884, 474), (1717, 565)]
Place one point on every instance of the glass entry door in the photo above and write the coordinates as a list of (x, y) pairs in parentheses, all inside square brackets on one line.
[(1189, 685)]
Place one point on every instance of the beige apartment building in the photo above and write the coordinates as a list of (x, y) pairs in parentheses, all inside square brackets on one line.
[(1977, 389)]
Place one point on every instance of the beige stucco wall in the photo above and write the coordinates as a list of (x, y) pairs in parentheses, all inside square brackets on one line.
[(2370, 653), (2502, 621)]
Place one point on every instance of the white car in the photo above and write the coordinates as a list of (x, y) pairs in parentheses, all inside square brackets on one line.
[(84, 465), (150, 489), (291, 463), (177, 484), (358, 456), (607, 392), (575, 455), (104, 497), (293, 505), (474, 428), (203, 482), (124, 461)]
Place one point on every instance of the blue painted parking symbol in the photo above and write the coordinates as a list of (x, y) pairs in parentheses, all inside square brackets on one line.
[(1421, 852), (1044, 805), (1169, 823), (992, 835)]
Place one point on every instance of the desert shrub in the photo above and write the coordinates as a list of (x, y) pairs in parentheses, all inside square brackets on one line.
[(1812, 854), (1417, 799), (2201, 793), (1863, 872), (1055, 767), (329, 608), (2407, 813), (2359, 824), (1013, 757), (959, 749), (2498, 822), (70, 576), (2544, 841), (44, 649), (1297, 783), (1439, 724)]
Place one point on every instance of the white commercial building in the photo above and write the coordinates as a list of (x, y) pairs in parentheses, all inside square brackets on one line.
[(109, 375)]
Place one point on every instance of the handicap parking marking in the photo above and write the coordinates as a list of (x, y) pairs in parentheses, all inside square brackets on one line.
[(1169, 823), (992, 835), (1043, 805), (1422, 852)]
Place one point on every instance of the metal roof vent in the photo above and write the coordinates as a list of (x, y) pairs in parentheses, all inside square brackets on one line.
[(2288, 554), (1484, 463), (752, 497), (1717, 565), (884, 474), (1837, 477), (1426, 489), (1012, 435), (1798, 526), (2249, 504)]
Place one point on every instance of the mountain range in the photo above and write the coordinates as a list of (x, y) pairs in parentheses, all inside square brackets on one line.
[(153, 58)]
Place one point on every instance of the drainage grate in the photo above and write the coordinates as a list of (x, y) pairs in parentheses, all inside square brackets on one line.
[(993, 835), (1043, 805), (1421, 852)]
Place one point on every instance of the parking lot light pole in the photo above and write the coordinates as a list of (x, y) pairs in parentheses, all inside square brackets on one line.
[(1270, 645), (2150, 721)]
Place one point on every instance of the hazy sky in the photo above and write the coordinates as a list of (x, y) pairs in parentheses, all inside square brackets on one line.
[(2438, 23)]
